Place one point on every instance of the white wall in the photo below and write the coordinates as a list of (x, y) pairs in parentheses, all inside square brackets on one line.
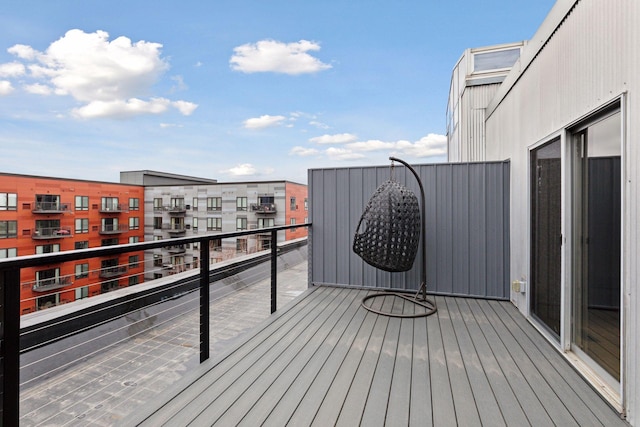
[(585, 54)]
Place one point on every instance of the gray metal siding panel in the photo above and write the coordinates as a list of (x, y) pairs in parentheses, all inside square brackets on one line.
[(467, 226)]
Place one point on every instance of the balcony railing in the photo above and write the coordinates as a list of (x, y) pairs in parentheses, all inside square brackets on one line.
[(178, 209), (50, 284), (110, 272), (10, 269), (114, 229), (263, 208), (51, 233), (114, 208), (174, 228), (50, 207)]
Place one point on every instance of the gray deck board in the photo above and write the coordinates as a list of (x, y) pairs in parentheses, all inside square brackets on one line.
[(328, 361)]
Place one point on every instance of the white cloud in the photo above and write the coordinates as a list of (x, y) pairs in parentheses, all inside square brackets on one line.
[(23, 51), (111, 78), (303, 152), (432, 145), (277, 57), (241, 170), (186, 108), (38, 89), (122, 108), (342, 154), (340, 138), (371, 145), (263, 121), (5, 87), (169, 125), (12, 69), (319, 125)]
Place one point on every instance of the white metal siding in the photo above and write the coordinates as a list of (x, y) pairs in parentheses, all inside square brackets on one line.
[(589, 56)]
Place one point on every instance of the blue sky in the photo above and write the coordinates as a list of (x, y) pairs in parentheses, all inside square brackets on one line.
[(235, 90)]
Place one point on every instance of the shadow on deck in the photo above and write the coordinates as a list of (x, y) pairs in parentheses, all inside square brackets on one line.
[(327, 361)]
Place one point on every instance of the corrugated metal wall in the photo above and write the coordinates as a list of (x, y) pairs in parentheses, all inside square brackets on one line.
[(584, 56), (467, 228)]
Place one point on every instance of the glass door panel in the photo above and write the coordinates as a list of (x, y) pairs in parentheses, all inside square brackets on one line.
[(546, 235), (597, 201)]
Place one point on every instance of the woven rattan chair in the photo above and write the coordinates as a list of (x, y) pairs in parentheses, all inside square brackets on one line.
[(388, 235)]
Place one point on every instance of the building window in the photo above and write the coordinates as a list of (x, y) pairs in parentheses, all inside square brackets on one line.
[(82, 225), (216, 245), (177, 203), (194, 204), (84, 244), (48, 202), (8, 252), (214, 224), (134, 239), (497, 60), (134, 204), (8, 201), (306, 204), (82, 203), (133, 280), (241, 203), (110, 242), (265, 222), (241, 223), (157, 223), (8, 229), (195, 224), (157, 204), (110, 204), (292, 204), (214, 203), (47, 249), (134, 223), (157, 260), (47, 301), (134, 261), (306, 219), (292, 221), (156, 238), (82, 270), (241, 245), (82, 292)]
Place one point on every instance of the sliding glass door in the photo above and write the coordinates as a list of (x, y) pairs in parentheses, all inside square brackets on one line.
[(546, 235), (596, 247)]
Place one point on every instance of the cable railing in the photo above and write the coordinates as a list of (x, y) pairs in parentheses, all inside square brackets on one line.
[(181, 288)]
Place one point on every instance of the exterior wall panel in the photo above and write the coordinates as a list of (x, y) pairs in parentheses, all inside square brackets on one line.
[(584, 56), (467, 225)]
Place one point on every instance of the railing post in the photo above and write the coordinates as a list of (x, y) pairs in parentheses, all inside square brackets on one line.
[(274, 271), (204, 300), (10, 346)]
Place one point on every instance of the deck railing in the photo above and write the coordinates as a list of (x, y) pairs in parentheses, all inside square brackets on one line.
[(10, 300)]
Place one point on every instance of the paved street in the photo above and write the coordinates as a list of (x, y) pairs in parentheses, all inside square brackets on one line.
[(112, 384)]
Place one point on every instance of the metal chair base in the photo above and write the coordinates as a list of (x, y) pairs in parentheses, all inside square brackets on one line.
[(421, 300)]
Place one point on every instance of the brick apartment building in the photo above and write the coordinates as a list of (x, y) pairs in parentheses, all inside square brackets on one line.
[(44, 215), (182, 206)]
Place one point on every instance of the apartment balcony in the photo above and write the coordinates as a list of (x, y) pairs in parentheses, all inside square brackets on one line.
[(322, 359), (115, 208), (263, 208), (111, 272), (44, 233), (114, 229), (176, 210), (47, 285), (174, 229), (177, 250), (50, 208)]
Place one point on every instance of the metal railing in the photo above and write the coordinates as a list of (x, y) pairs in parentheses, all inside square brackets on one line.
[(10, 300)]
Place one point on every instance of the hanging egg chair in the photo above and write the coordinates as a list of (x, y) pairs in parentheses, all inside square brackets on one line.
[(388, 235)]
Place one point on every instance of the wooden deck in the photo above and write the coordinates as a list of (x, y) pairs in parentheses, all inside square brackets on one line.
[(327, 361)]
